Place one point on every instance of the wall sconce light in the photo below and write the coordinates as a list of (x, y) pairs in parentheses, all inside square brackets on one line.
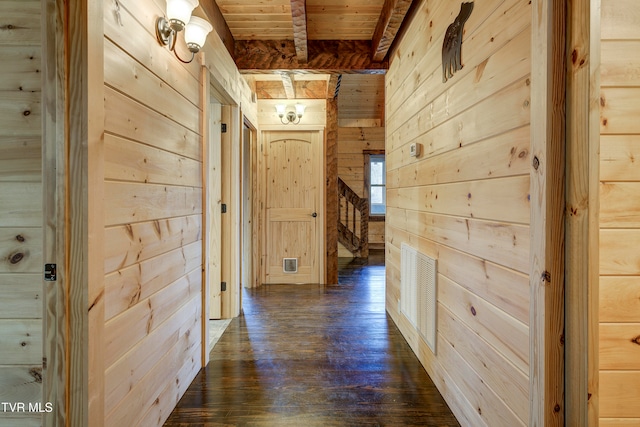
[(290, 116), (179, 18)]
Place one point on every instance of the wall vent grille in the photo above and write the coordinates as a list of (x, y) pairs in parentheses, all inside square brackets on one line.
[(290, 265), (418, 293)]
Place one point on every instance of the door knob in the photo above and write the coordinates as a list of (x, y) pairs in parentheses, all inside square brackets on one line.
[(314, 214)]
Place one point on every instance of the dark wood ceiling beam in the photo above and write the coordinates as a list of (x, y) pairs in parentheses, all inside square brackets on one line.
[(330, 56), (393, 13), (299, 15), (219, 24)]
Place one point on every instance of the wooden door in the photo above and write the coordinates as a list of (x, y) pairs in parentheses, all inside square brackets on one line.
[(293, 208)]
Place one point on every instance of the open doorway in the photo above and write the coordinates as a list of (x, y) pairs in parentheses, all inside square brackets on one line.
[(230, 154)]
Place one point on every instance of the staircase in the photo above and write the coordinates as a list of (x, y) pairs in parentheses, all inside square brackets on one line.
[(353, 220)]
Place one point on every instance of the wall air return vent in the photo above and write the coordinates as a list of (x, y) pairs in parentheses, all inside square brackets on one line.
[(290, 265), (418, 297)]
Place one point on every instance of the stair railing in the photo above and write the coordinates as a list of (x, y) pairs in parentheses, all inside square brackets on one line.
[(353, 220)]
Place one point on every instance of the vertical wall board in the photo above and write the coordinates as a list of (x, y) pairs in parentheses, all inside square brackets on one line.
[(582, 198), (84, 179), (54, 165), (206, 210), (466, 199), (547, 214), (235, 291), (619, 226)]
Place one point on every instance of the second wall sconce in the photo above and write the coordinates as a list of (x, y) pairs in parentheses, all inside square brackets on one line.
[(290, 116), (179, 18)]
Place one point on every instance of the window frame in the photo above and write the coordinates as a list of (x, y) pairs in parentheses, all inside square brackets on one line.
[(367, 181)]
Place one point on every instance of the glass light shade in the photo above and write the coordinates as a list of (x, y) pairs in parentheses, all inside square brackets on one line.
[(281, 109), (300, 110), (179, 12), (195, 33)]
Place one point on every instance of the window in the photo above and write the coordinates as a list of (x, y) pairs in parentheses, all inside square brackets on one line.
[(377, 185)]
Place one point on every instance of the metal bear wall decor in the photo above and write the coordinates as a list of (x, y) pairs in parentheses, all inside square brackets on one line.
[(451, 61)]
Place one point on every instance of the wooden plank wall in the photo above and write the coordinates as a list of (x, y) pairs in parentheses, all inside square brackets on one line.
[(21, 243), (620, 214), (153, 207), (153, 211), (351, 143), (465, 201)]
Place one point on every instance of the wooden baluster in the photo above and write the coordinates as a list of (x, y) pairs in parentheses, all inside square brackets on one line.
[(364, 228), (354, 241), (339, 208)]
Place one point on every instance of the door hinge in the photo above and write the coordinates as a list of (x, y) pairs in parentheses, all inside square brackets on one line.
[(223, 286), (223, 127), (223, 207), (50, 272)]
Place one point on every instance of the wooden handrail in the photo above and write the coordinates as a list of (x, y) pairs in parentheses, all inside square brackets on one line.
[(347, 232)]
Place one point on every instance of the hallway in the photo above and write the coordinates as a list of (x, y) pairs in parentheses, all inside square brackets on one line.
[(304, 355)]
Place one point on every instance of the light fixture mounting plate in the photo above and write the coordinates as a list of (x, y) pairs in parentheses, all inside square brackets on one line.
[(164, 33)]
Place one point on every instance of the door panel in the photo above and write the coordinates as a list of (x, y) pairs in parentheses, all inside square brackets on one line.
[(293, 199)]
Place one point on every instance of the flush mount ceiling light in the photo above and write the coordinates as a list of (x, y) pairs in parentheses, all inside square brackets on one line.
[(290, 116), (179, 18)]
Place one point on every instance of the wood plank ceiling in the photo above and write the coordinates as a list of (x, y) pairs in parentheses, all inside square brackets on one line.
[(298, 48)]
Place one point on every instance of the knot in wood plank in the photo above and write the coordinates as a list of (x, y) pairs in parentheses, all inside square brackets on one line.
[(16, 258)]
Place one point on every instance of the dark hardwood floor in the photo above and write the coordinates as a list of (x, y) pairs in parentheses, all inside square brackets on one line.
[(308, 355)]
